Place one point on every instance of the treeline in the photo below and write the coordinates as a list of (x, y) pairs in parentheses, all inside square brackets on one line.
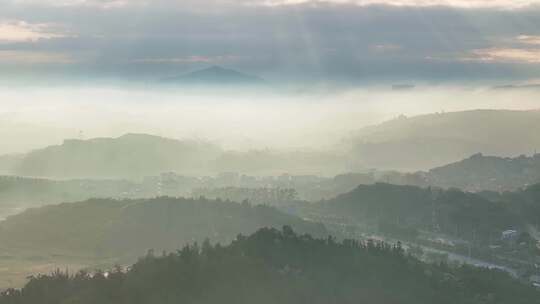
[(272, 266)]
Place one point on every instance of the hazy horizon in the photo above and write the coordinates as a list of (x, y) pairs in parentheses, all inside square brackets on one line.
[(40, 116)]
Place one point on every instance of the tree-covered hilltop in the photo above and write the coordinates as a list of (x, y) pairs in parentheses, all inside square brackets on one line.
[(480, 172), (476, 173), (272, 266), (404, 209), (104, 227)]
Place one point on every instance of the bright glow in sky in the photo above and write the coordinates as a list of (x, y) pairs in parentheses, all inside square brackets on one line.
[(507, 55), (527, 39), (21, 31)]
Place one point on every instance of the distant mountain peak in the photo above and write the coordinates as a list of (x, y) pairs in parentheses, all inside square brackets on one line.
[(217, 68), (216, 75)]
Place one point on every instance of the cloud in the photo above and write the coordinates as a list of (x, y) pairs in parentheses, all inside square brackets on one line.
[(33, 58), (344, 40), (505, 4), (505, 55), (529, 39), (21, 31), (108, 4), (385, 48), (105, 4), (522, 49)]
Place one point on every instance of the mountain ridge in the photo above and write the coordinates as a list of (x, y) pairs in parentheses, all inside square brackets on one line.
[(215, 75), (432, 140)]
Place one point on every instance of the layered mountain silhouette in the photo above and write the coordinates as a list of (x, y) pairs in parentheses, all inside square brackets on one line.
[(140, 155), (418, 143)]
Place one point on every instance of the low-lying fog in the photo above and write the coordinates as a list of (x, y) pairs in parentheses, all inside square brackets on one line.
[(33, 117)]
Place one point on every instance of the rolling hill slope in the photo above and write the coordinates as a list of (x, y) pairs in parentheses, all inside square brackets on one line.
[(104, 228), (428, 141)]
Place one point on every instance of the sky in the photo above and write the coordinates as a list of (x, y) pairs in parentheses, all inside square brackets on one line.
[(281, 40)]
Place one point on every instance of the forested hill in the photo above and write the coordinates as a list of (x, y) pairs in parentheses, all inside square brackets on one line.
[(274, 266), (131, 155), (102, 228), (405, 208), (480, 172)]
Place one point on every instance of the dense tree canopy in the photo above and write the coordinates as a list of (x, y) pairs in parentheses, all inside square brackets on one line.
[(274, 266), (452, 212)]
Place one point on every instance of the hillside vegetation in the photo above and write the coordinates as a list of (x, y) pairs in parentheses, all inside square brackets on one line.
[(103, 228), (274, 266), (406, 210)]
